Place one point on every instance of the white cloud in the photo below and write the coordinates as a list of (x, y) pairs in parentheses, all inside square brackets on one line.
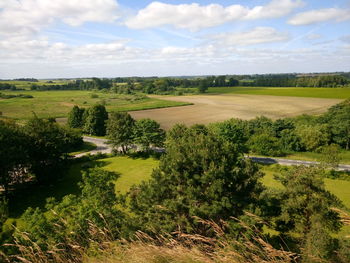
[(274, 9), (27, 16), (257, 35), (195, 17), (320, 15), (35, 50)]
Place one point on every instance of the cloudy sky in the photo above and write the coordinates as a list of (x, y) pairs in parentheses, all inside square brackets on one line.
[(109, 38)]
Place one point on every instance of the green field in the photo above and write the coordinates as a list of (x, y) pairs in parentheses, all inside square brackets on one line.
[(338, 187), (58, 103), (334, 93), (132, 171)]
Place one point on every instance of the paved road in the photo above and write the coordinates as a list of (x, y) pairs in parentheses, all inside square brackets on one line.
[(103, 147), (101, 144), (268, 160)]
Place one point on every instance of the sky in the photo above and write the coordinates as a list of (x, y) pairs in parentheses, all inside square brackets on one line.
[(110, 38)]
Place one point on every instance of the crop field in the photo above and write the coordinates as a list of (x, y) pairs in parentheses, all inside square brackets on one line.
[(332, 93), (59, 103), (213, 108)]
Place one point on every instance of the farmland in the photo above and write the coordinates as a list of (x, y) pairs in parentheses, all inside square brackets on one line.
[(333, 93), (58, 103), (213, 108)]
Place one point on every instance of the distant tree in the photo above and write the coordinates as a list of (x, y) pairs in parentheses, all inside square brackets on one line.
[(266, 144), (234, 131), (338, 118), (330, 155), (232, 82), (148, 133), (200, 175), (120, 130), (203, 86), (75, 117), (290, 140), (220, 81), (95, 120), (306, 212), (260, 125), (314, 136)]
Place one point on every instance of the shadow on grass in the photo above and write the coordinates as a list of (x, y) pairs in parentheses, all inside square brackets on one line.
[(36, 195), (144, 155)]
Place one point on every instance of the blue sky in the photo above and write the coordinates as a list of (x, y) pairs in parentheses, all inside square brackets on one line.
[(109, 38)]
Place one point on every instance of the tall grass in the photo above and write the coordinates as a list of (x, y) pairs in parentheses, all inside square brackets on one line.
[(176, 248)]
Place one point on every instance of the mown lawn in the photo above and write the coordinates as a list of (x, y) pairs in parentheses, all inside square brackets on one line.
[(58, 103), (335, 93)]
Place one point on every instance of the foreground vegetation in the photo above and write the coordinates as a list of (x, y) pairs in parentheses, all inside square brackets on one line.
[(203, 191)]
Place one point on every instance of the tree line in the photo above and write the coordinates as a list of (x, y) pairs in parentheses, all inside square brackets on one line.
[(121, 129), (329, 131)]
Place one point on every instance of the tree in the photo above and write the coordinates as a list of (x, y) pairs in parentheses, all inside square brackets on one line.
[(234, 131), (338, 118), (330, 156), (120, 129), (95, 120), (266, 144), (75, 117), (200, 175), (203, 86), (14, 145), (71, 220), (233, 82), (148, 133), (49, 146), (306, 212), (313, 137)]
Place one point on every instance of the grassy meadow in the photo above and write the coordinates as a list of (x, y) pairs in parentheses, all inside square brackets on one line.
[(58, 103), (334, 93)]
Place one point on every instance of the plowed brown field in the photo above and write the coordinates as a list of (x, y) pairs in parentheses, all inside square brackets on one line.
[(213, 108)]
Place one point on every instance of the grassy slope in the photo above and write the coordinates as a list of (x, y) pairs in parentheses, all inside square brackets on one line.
[(133, 171), (59, 103), (335, 93), (340, 188)]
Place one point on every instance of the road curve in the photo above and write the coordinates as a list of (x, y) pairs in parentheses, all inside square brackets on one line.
[(103, 147)]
